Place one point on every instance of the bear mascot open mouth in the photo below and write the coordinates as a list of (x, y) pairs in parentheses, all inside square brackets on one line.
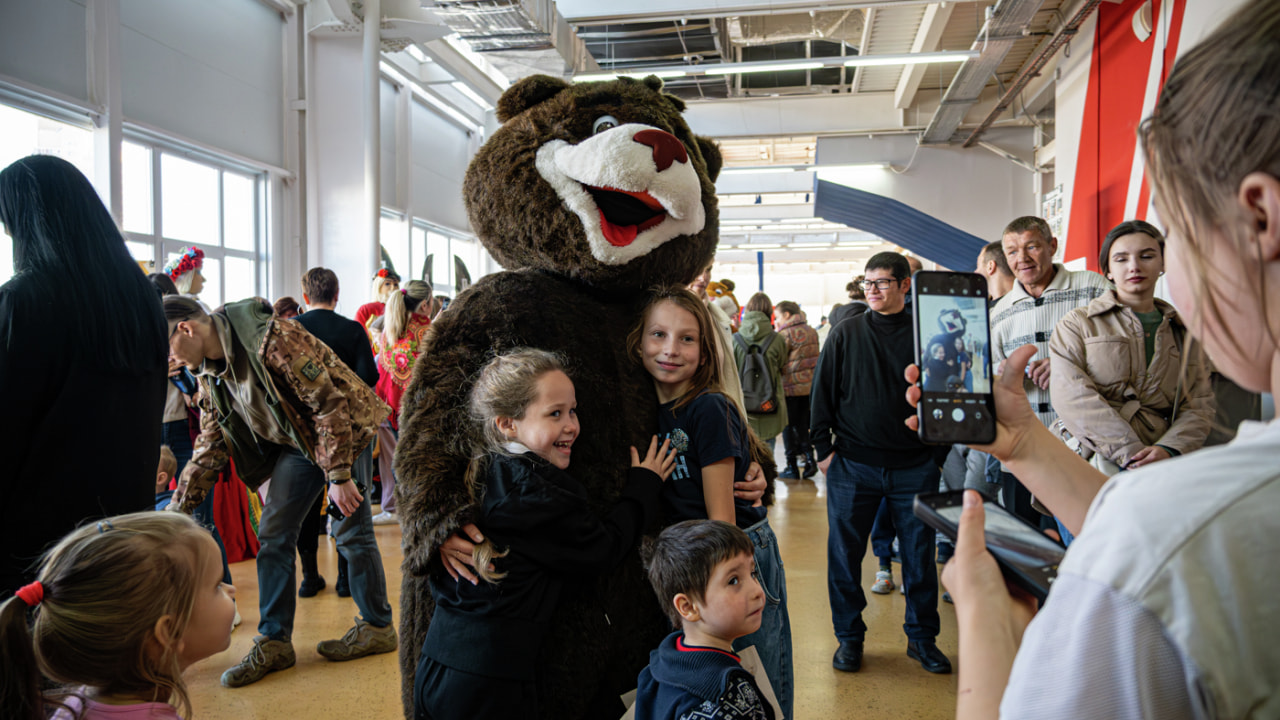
[(631, 185)]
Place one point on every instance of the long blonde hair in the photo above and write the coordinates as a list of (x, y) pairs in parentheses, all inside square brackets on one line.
[(400, 306), (1217, 121), (106, 585), (505, 387)]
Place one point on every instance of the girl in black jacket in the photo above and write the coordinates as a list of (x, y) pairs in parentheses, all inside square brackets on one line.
[(481, 651)]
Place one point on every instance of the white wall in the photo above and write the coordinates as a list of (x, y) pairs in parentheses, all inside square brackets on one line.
[(209, 72), (973, 189), (441, 153)]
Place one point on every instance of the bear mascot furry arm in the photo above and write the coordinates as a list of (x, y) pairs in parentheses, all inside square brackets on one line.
[(589, 194)]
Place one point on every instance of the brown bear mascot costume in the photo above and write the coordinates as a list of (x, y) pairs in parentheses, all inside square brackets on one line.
[(589, 195)]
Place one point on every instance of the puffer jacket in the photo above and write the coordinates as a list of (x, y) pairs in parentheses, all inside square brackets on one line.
[(1107, 395), (755, 327), (802, 342)]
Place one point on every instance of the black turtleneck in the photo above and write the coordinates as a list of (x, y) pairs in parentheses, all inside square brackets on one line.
[(858, 400)]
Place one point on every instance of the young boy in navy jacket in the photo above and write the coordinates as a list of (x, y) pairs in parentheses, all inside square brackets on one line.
[(703, 572)]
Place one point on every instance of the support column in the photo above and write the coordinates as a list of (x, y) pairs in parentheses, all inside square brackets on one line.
[(102, 31), (371, 56)]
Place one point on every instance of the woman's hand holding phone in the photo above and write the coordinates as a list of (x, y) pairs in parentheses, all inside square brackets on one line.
[(1014, 418), (992, 615)]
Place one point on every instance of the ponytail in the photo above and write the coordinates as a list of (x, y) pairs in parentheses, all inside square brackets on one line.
[(20, 696), (400, 306)]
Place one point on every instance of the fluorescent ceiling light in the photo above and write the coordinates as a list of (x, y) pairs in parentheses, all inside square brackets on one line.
[(736, 68), (760, 247), (757, 170), (639, 75), (756, 67), (799, 245), (811, 248), (945, 56)]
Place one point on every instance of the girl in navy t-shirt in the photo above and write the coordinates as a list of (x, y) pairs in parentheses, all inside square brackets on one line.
[(674, 341)]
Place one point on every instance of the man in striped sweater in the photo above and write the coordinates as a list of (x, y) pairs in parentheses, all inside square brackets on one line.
[(1043, 293)]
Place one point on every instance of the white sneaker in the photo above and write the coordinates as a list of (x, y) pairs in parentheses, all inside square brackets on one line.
[(235, 621), (884, 583), (385, 518)]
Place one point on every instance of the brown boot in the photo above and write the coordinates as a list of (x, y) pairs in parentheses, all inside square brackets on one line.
[(361, 640)]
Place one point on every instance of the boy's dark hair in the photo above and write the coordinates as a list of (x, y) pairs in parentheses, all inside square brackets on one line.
[(686, 554), (854, 288), (994, 252), (892, 261), (321, 285), (759, 303), (286, 306)]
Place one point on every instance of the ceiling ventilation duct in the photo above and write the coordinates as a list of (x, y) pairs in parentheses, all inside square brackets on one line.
[(404, 21), (836, 26), (520, 37)]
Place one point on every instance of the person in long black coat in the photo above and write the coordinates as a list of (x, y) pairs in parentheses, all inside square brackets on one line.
[(83, 366)]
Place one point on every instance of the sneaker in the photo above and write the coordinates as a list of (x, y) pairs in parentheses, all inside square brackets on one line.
[(385, 518), (363, 639), (884, 583), (946, 597), (235, 621), (266, 657)]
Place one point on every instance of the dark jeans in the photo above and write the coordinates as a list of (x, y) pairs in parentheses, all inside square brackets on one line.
[(773, 640), (882, 532), (1017, 500), (313, 526), (177, 435), (795, 437), (294, 485), (854, 494)]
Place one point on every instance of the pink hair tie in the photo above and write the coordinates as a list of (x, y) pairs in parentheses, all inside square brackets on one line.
[(404, 292), (31, 594)]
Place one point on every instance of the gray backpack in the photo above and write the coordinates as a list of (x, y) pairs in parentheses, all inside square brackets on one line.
[(759, 395)]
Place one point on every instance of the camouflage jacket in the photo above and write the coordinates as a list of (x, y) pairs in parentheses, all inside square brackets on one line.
[(319, 403)]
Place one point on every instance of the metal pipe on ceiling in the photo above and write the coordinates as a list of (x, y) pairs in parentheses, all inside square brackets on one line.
[(1032, 69)]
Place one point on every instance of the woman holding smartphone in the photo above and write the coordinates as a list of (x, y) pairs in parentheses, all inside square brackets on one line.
[(1117, 377), (1162, 607)]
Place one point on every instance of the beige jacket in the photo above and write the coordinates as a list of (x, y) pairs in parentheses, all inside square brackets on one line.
[(1110, 399)]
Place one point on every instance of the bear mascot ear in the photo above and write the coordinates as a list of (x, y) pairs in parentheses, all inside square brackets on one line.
[(528, 92), (711, 154)]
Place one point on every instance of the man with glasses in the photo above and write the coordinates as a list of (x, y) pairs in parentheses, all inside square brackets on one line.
[(868, 455)]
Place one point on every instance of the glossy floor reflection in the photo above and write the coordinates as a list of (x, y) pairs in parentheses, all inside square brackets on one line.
[(890, 685)]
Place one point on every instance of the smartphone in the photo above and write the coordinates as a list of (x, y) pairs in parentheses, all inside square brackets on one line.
[(185, 382), (953, 352), (334, 511), (1027, 557)]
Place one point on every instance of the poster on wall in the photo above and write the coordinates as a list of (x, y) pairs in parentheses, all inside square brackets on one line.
[(1051, 211)]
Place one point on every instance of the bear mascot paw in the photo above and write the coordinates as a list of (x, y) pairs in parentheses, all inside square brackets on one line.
[(589, 195)]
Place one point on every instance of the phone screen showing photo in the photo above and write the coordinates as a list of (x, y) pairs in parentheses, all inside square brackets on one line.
[(953, 351)]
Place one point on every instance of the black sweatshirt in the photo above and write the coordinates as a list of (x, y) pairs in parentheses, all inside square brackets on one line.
[(858, 400), (346, 337), (539, 512)]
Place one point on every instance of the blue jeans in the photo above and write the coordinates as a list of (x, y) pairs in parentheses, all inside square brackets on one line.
[(178, 437), (854, 493), (294, 485), (773, 639), (1064, 533), (882, 532)]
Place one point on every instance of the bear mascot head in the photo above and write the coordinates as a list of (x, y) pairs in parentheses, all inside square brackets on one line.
[(588, 195)]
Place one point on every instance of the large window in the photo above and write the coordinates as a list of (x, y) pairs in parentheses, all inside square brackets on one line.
[(22, 134), (442, 248), (216, 209)]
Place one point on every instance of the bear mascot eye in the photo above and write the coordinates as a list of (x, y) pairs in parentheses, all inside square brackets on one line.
[(604, 122)]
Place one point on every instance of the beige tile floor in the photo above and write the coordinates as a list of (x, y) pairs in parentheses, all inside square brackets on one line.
[(890, 685)]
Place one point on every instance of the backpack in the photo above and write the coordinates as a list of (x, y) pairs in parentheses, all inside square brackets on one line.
[(759, 395)]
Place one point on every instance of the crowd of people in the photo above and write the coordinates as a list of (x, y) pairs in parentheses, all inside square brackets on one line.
[(1160, 608)]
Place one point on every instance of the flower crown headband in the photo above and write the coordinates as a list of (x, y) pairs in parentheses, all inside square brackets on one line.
[(191, 259), (386, 274)]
